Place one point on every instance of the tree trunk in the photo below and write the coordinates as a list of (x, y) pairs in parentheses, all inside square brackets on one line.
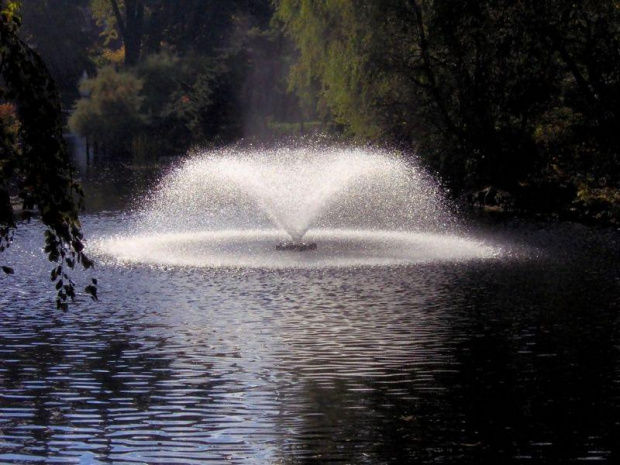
[(131, 28)]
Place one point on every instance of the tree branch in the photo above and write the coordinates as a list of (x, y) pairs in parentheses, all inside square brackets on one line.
[(428, 67)]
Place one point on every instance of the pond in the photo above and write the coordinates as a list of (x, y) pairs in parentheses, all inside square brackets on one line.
[(502, 360)]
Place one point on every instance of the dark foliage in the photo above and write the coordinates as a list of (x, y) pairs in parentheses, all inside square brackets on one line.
[(522, 96), (34, 165), (213, 75), (63, 33)]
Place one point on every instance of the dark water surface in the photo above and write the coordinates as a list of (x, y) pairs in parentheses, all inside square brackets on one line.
[(512, 360)]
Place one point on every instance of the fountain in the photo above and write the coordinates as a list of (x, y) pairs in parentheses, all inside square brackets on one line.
[(341, 206)]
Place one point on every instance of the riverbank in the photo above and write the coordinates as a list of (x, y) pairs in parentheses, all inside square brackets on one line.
[(594, 207)]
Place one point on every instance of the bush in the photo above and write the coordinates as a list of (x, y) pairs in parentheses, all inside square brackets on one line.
[(174, 102), (112, 114), (177, 95)]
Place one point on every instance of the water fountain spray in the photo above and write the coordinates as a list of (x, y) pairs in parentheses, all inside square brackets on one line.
[(343, 206)]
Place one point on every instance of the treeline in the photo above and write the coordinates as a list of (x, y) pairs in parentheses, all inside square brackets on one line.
[(514, 103), (520, 97), (157, 76)]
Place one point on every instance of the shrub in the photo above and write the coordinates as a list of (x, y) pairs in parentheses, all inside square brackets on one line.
[(174, 102), (112, 114)]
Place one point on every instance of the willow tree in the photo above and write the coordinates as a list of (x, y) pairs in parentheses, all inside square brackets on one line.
[(34, 165), (504, 93), (371, 66)]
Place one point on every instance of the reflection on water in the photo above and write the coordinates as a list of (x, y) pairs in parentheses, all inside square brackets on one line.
[(114, 184), (256, 248), (503, 361)]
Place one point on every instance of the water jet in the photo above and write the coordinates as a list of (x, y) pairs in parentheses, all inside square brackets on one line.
[(347, 206)]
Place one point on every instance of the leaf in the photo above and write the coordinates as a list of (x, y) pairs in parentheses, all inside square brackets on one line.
[(92, 291), (87, 262), (57, 271)]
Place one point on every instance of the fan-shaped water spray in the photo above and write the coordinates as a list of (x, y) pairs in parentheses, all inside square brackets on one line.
[(232, 207)]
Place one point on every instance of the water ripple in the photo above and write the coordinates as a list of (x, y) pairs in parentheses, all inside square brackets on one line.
[(470, 362)]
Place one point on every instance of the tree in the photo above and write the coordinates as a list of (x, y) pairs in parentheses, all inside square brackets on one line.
[(192, 91), (124, 19), (519, 95), (143, 25), (111, 114), (34, 164), (62, 32)]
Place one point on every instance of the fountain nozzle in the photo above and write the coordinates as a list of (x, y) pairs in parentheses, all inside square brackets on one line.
[(296, 246)]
